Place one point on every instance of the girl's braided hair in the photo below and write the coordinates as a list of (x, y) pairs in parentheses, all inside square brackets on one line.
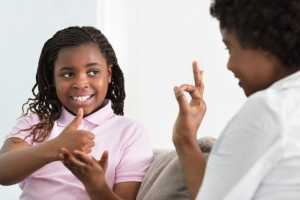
[(45, 102)]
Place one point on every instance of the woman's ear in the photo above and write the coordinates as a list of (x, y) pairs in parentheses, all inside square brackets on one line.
[(109, 71), (264, 52)]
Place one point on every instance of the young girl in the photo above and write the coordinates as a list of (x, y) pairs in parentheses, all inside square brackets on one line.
[(78, 74), (257, 156)]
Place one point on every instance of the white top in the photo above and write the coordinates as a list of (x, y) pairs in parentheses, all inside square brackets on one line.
[(258, 154)]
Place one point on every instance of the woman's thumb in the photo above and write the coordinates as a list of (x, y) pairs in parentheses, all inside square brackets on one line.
[(181, 99)]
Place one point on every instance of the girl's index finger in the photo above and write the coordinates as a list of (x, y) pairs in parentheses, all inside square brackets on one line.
[(85, 158)]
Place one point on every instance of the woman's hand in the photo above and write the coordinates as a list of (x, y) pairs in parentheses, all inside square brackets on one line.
[(86, 168), (190, 114), (73, 139), (185, 132)]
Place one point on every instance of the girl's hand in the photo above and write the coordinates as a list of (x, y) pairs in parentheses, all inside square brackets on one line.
[(86, 168), (190, 114), (73, 139)]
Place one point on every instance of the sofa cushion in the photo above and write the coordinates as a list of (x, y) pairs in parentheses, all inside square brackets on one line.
[(164, 178)]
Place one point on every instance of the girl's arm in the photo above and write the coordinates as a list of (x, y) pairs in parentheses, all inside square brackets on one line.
[(17, 161), (185, 132), (92, 174)]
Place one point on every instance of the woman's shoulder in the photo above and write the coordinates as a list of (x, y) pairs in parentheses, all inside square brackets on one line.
[(275, 101), (267, 108)]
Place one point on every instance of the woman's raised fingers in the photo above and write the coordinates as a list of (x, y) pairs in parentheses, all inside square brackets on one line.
[(193, 90), (198, 78)]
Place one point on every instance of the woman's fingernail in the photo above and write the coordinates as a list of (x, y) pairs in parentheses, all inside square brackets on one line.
[(176, 89)]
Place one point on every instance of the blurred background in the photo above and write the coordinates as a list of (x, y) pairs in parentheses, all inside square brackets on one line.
[(155, 42)]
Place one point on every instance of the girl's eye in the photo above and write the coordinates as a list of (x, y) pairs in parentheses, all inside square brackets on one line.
[(67, 75), (93, 73)]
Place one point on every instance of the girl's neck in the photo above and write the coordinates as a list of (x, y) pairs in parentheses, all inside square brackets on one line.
[(101, 106)]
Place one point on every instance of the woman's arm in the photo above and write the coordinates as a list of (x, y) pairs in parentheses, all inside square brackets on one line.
[(185, 132), (18, 160), (92, 174), (249, 147)]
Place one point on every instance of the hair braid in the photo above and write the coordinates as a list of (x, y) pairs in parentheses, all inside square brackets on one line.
[(45, 102)]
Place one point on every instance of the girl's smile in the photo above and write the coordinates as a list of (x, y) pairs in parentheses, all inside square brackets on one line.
[(81, 78), (82, 100)]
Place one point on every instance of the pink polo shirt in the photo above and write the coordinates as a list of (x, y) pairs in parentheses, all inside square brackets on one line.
[(127, 141)]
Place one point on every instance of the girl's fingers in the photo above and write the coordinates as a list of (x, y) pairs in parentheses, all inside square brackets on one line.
[(70, 161), (65, 152), (61, 156), (91, 143), (104, 160), (85, 158)]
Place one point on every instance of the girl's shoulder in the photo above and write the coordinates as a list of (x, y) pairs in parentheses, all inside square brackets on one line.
[(23, 127), (126, 121), (127, 124), (28, 120)]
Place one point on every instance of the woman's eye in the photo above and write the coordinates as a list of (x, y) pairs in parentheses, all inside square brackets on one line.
[(226, 48), (67, 75), (93, 73)]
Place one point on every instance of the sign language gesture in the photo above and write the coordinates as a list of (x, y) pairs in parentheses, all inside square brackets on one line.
[(190, 114), (86, 168), (73, 139)]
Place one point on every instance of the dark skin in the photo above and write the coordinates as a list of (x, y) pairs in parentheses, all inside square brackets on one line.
[(256, 69), (80, 73), (83, 71)]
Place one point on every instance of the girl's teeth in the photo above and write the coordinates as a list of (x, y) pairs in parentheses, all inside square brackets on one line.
[(81, 98)]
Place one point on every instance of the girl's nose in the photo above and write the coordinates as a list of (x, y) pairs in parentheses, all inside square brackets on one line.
[(81, 83)]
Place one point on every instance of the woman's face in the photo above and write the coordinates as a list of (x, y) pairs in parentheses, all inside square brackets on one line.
[(256, 69), (81, 78)]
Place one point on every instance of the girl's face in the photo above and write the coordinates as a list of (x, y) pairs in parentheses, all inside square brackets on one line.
[(255, 69), (81, 78)]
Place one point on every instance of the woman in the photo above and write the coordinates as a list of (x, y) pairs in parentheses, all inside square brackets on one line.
[(257, 156)]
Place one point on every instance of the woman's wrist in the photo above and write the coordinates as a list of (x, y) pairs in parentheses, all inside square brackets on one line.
[(183, 139)]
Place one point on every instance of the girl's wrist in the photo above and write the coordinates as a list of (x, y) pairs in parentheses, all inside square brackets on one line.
[(53, 150), (96, 189)]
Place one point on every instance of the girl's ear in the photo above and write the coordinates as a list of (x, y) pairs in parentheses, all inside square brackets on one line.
[(109, 71)]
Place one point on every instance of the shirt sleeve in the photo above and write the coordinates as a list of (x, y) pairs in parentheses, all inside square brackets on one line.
[(249, 147), (136, 157), (23, 124)]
